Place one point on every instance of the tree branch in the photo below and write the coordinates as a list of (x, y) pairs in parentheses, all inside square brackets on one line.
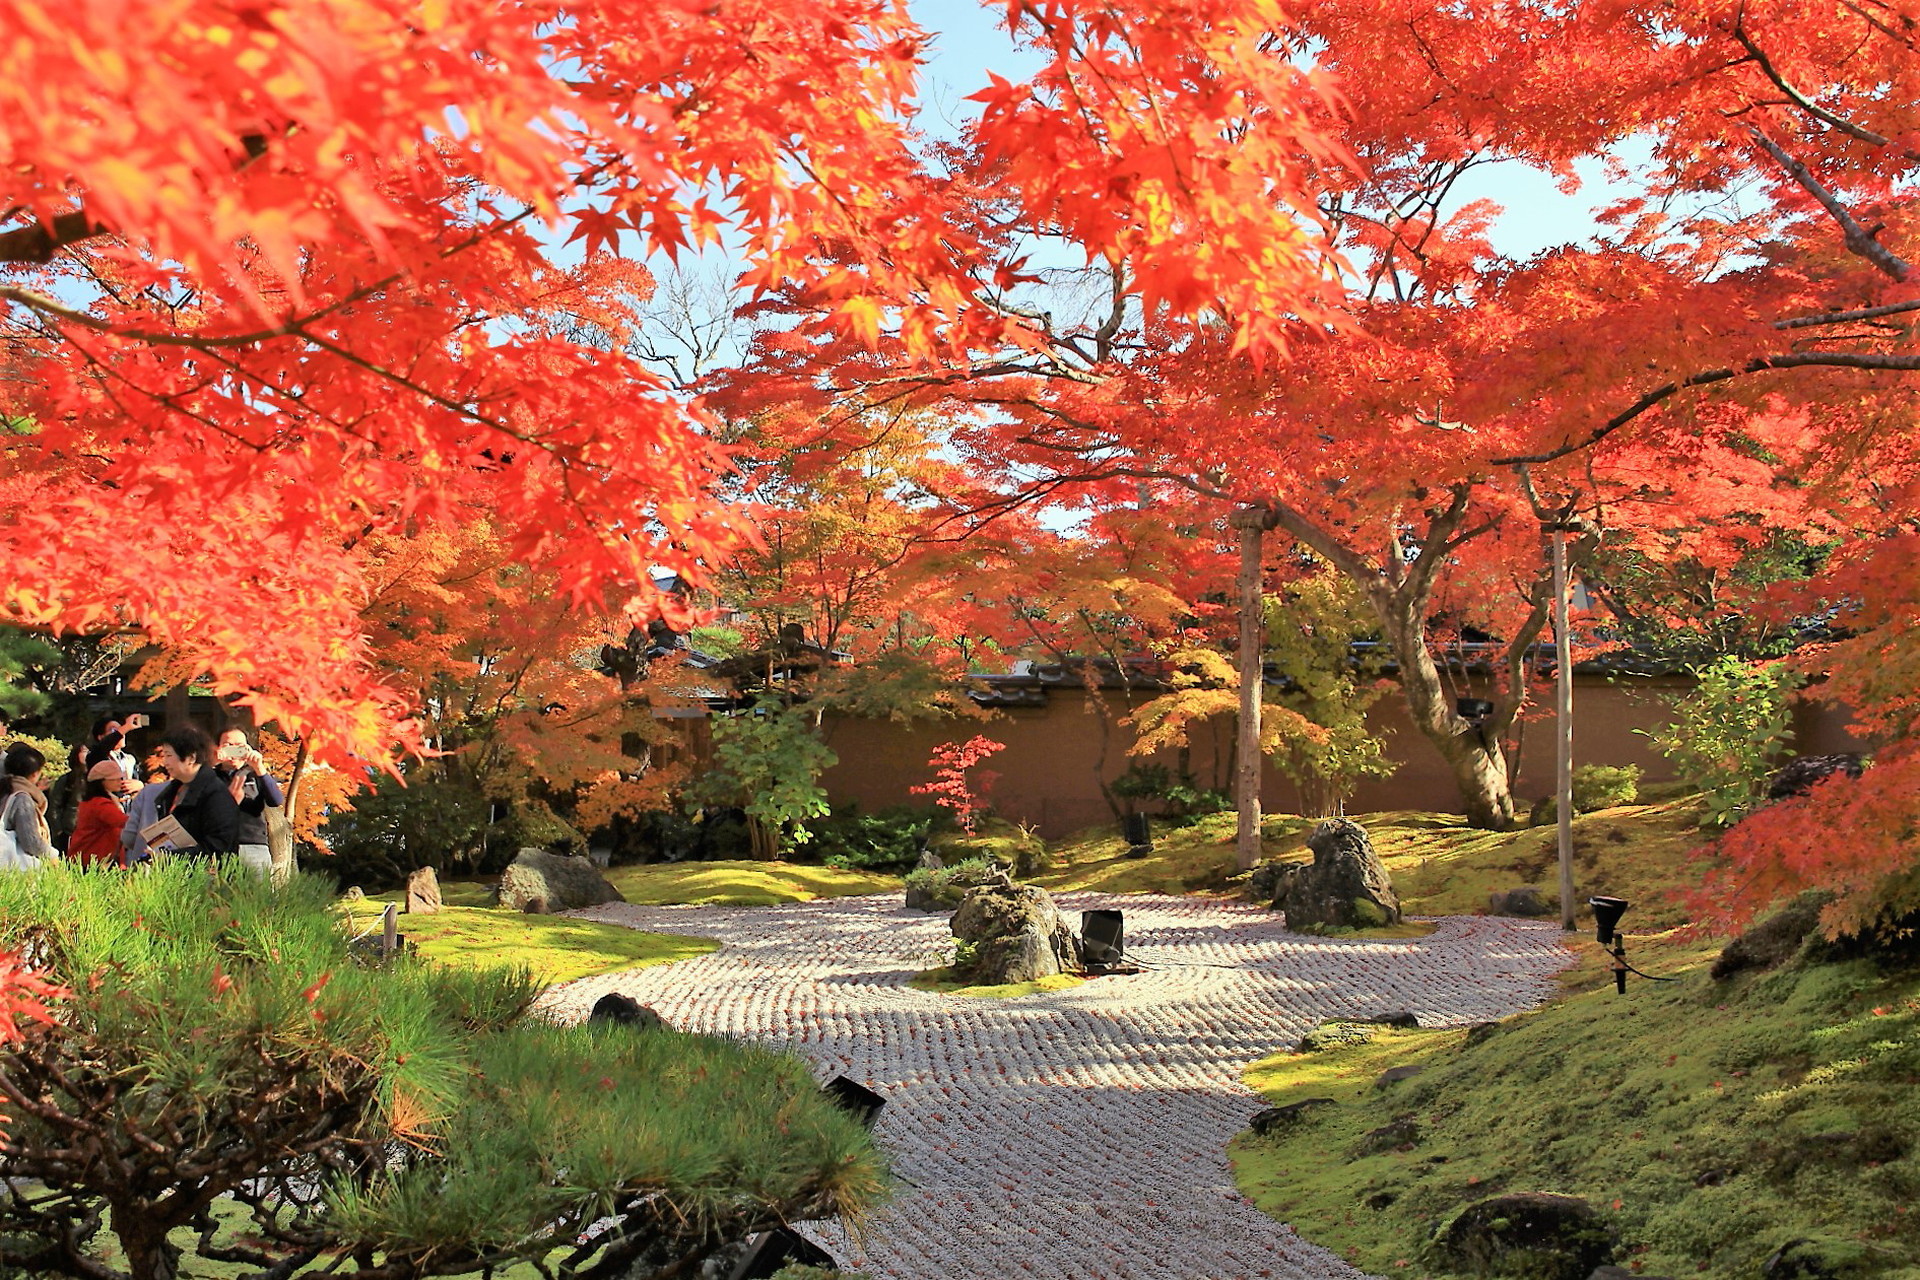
[(40, 241), (1857, 238), (1762, 364), (1801, 100)]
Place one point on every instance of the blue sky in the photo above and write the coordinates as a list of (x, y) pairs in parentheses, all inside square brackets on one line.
[(1536, 214)]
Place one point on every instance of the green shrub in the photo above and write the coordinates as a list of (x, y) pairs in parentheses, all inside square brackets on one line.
[(1605, 786), (1019, 849), (945, 886), (889, 841), (1729, 733), (1595, 787), (1183, 798), (220, 1045)]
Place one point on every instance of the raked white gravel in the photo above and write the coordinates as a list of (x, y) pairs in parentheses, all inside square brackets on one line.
[(1080, 1133)]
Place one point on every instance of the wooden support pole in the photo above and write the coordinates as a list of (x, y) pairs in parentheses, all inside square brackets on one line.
[(1252, 524), (1563, 718)]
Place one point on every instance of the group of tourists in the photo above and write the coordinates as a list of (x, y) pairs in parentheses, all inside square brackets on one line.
[(194, 799)]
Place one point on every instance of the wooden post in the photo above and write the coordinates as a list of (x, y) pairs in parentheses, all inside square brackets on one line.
[(1563, 713), (389, 931), (1252, 524)]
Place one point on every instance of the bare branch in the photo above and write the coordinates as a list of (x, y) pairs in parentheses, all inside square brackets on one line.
[(40, 241), (1857, 238), (1847, 317), (1788, 360), (1801, 100)]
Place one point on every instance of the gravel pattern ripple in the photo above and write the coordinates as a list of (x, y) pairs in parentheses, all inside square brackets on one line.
[(1078, 1133)]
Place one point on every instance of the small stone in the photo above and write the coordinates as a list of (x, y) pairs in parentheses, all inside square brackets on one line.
[(1279, 1119), (1532, 1233), (1332, 1035), (534, 906), (1526, 902), (423, 893), (1396, 1135), (354, 893), (1394, 1075), (624, 1011), (1401, 1019)]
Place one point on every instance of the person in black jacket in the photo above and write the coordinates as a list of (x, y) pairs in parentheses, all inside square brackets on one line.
[(198, 796)]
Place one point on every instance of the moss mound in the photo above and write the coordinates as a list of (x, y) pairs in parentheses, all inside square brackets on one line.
[(743, 883), (946, 982), (554, 948), (1193, 859), (1713, 1124)]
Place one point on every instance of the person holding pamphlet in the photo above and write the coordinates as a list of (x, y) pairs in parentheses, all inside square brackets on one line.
[(198, 813)]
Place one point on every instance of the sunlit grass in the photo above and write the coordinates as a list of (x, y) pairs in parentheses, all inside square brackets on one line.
[(743, 884), (555, 948)]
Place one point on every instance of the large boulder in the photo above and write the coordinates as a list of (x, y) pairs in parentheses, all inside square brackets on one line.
[(1526, 1234), (555, 880), (1013, 933), (1798, 776), (1345, 887)]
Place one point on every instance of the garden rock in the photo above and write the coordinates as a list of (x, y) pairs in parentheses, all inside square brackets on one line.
[(1526, 902), (1016, 932), (1526, 1233), (1345, 887), (1396, 1135), (1400, 1019), (1394, 1075), (423, 893), (1775, 940), (624, 1011), (1798, 776), (1263, 882), (1279, 1119), (1333, 1035), (560, 882), (1802, 1259)]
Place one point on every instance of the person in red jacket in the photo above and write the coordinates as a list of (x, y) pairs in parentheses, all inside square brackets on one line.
[(96, 833)]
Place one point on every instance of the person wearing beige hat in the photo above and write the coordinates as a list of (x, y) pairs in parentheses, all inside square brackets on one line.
[(96, 832)]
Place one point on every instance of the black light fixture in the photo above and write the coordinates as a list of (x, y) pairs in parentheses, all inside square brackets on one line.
[(1606, 931), (852, 1096), (772, 1251), (1606, 914), (1474, 709), (1103, 939)]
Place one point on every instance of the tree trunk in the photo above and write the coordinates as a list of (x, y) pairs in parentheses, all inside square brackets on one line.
[(1252, 524), (1472, 751)]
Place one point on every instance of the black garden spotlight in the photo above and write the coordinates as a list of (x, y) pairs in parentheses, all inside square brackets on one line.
[(1606, 930)]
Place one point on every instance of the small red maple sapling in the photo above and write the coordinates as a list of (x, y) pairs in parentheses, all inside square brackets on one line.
[(952, 788)]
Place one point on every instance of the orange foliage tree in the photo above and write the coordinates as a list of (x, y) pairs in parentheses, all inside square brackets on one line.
[(284, 279), (1669, 388)]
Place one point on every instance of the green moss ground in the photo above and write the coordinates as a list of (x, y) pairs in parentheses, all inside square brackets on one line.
[(555, 948), (743, 884), (943, 981), (1442, 867), (1701, 1117), (1193, 859)]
